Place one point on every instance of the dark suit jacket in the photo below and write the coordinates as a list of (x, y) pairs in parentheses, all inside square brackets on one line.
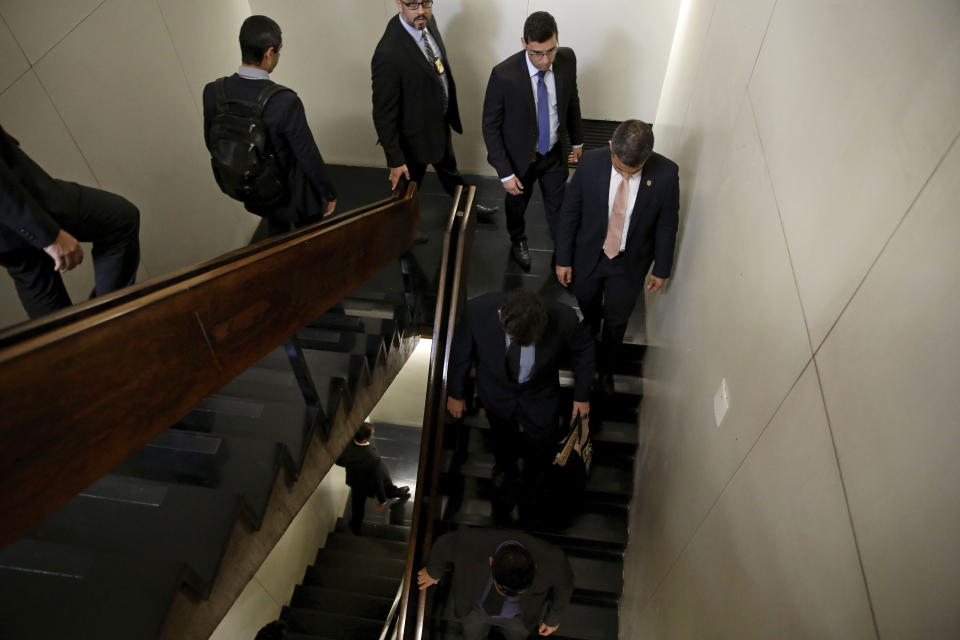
[(29, 200), (363, 470), (308, 187), (510, 116), (408, 98), (582, 225), (480, 335), (467, 551)]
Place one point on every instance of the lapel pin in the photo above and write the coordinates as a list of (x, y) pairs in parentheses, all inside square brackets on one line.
[(649, 183)]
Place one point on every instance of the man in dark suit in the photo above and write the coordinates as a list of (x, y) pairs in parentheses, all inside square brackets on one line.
[(41, 221), (367, 476), (309, 193), (504, 579), (619, 216), (531, 104), (415, 99), (519, 344)]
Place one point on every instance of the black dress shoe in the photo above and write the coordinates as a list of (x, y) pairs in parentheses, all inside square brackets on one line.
[(421, 238), (485, 210), (521, 254)]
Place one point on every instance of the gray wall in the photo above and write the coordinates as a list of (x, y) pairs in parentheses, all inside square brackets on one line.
[(817, 272), (107, 93)]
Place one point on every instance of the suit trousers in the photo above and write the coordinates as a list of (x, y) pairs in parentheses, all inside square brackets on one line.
[(107, 220), (477, 624), (358, 497), (446, 169), (609, 294), (510, 443), (551, 172)]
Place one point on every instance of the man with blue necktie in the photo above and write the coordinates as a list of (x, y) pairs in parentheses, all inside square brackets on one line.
[(531, 105)]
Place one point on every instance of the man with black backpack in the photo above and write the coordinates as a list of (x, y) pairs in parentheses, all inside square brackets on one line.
[(261, 148)]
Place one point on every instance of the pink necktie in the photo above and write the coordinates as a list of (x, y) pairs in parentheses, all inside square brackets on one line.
[(611, 245)]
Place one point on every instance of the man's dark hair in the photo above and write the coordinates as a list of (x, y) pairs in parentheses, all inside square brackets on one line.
[(524, 316), (632, 142), (257, 34), (539, 27), (276, 630), (513, 568), (364, 431)]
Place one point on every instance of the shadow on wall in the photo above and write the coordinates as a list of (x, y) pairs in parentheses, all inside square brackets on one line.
[(472, 30)]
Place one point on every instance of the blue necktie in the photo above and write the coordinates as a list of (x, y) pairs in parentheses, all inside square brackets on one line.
[(543, 115)]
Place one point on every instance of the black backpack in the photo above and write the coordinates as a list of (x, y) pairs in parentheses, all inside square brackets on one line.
[(240, 151)]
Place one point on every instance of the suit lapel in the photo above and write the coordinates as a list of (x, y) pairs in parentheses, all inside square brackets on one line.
[(413, 49), (644, 193), (604, 182), (524, 76)]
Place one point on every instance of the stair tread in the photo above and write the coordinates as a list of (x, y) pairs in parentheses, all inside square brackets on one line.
[(245, 466), (101, 592), (348, 580), (148, 521), (333, 600), (362, 544), (372, 565), (337, 626)]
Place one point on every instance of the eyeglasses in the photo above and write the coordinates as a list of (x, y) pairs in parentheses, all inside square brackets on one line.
[(537, 55), (426, 4)]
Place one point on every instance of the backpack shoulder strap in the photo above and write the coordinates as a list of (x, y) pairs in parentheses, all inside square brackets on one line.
[(220, 91), (265, 94)]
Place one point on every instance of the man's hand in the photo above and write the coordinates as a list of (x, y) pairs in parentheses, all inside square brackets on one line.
[(330, 207), (65, 251), (425, 581), (546, 630), (456, 407), (654, 284), (513, 186), (564, 275), (575, 154), (580, 409), (395, 173)]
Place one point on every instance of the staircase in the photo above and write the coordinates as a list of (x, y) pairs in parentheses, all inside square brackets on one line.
[(593, 535), (110, 562), (353, 584)]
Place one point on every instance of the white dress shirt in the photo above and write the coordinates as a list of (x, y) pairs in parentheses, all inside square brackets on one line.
[(634, 188)]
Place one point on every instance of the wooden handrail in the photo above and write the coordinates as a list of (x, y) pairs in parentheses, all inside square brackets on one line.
[(80, 397), (451, 292)]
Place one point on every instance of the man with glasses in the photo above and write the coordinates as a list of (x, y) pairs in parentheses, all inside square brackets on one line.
[(531, 105), (415, 99), (504, 579)]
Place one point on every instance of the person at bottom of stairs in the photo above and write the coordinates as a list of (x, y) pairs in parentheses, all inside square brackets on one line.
[(367, 476)]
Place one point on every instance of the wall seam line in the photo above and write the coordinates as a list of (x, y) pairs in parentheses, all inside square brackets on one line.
[(726, 484), (889, 239), (66, 35), (846, 502), (176, 53)]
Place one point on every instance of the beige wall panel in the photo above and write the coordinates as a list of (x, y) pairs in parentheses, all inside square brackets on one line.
[(731, 312), (478, 36), (682, 74), (205, 35), (327, 48), (857, 102), (776, 557), (14, 62), (889, 371), (27, 113), (40, 24), (730, 50), (117, 83), (622, 49)]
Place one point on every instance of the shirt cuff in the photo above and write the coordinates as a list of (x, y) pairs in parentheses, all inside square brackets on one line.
[(509, 177), (578, 146)]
